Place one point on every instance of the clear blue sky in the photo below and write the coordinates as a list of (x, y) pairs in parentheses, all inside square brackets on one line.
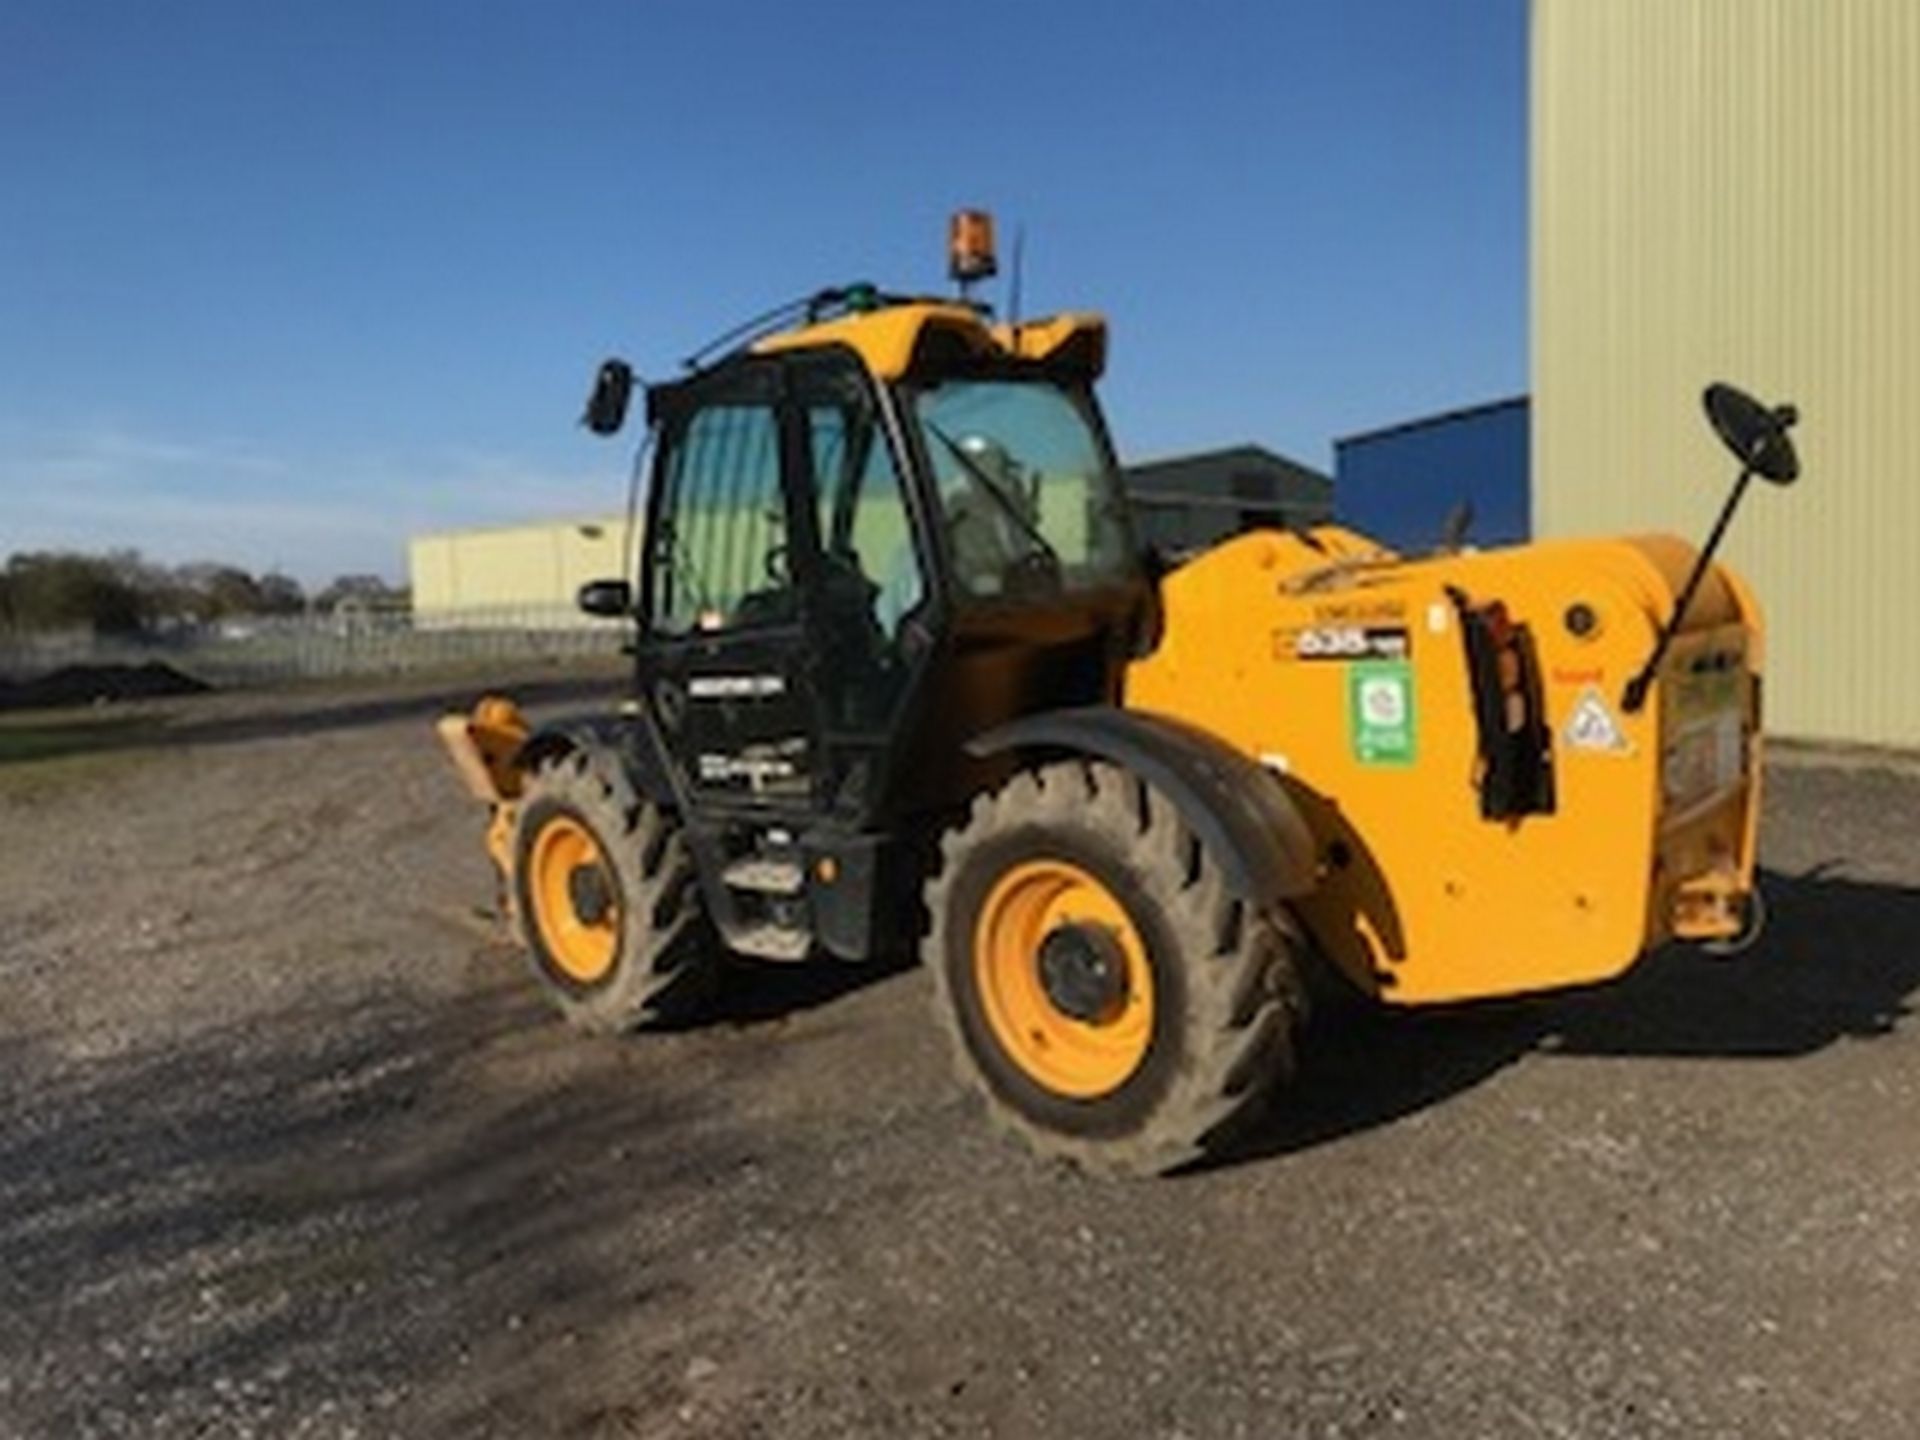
[(282, 283)]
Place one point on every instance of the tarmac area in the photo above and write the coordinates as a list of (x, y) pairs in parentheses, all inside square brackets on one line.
[(290, 1146)]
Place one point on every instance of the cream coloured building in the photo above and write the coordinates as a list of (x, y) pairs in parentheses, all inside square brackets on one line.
[(1730, 190), (524, 576)]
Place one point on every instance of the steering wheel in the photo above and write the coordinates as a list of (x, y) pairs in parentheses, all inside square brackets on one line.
[(1020, 564), (1755, 433), (1034, 572)]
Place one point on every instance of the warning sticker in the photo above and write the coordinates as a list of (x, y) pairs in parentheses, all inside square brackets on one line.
[(1592, 725), (1380, 712)]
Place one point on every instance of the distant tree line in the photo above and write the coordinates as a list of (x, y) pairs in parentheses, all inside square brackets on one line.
[(122, 592)]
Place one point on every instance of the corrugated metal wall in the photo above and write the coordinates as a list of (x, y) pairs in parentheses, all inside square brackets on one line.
[(1730, 189)]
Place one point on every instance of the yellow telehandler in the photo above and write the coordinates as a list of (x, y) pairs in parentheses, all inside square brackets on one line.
[(903, 676)]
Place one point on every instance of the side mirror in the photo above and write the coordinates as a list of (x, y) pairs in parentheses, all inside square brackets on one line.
[(1757, 436), (612, 393), (1755, 433), (608, 599)]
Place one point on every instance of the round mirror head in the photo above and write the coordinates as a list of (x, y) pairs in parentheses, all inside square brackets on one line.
[(1755, 433)]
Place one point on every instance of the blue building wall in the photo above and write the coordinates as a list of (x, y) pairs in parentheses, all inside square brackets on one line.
[(1398, 484)]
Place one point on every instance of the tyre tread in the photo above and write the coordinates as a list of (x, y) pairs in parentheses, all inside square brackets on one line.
[(1245, 994), (669, 964)]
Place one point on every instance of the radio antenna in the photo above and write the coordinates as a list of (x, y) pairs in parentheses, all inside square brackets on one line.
[(1013, 281)]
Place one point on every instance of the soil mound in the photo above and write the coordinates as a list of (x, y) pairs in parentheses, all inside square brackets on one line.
[(98, 684)]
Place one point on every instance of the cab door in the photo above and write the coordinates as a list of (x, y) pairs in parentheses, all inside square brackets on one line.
[(867, 591), (724, 659)]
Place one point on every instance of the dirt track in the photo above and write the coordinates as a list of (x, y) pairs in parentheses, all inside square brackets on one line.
[(288, 1148)]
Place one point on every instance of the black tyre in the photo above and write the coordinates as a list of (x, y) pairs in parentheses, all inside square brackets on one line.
[(1110, 1000), (606, 901)]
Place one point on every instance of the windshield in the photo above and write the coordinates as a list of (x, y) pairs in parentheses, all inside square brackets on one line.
[(1027, 497)]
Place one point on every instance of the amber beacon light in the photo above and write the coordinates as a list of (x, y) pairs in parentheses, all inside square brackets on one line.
[(970, 247)]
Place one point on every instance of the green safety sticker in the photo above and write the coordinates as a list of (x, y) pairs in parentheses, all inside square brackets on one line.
[(1380, 711)]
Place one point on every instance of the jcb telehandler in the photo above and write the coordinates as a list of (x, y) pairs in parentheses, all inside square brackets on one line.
[(903, 675)]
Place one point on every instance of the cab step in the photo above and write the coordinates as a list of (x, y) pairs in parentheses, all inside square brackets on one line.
[(772, 942), (765, 877)]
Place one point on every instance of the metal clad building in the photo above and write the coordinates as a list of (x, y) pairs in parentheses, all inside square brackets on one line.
[(1187, 502), (1400, 484), (1730, 189)]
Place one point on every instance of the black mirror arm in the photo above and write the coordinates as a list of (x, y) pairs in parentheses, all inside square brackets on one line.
[(1635, 695)]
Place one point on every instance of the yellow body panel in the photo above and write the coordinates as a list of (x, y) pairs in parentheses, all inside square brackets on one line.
[(484, 746), (1422, 899), (885, 338)]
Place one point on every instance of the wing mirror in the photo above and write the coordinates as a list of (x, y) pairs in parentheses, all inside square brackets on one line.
[(1757, 436), (608, 599), (1755, 433), (612, 394)]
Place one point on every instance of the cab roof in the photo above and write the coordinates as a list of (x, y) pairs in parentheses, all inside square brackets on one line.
[(890, 338)]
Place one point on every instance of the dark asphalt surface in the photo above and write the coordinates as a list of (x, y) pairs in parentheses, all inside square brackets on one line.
[(289, 1148)]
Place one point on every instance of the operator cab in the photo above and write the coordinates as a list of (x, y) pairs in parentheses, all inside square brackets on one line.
[(878, 518)]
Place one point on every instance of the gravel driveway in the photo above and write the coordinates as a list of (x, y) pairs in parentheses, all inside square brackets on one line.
[(289, 1148)]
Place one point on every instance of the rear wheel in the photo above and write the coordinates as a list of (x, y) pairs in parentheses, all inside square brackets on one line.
[(1112, 1002), (606, 901)]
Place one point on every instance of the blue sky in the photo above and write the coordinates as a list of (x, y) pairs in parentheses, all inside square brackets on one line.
[(283, 283)]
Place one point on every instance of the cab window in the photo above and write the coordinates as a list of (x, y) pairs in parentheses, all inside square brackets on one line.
[(720, 543), (866, 538), (1027, 491)]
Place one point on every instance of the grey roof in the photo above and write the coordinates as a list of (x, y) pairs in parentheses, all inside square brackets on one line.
[(1245, 474)]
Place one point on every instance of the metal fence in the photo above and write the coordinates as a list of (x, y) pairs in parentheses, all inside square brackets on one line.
[(364, 641)]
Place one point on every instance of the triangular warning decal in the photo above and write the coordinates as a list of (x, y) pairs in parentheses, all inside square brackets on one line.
[(1592, 725)]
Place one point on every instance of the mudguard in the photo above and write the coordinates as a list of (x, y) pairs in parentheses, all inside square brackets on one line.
[(624, 735), (1241, 813)]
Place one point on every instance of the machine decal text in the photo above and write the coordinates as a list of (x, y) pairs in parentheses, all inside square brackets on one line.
[(1341, 642)]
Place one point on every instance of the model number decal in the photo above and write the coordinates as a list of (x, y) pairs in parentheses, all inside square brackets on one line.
[(1342, 642)]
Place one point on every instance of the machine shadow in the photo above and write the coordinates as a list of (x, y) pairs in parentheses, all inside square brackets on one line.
[(754, 992), (1838, 961), (342, 1205)]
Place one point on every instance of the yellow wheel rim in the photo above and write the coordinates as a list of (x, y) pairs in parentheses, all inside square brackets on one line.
[(583, 947), (1079, 1058)]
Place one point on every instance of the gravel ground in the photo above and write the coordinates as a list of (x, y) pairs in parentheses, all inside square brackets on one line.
[(288, 1147)]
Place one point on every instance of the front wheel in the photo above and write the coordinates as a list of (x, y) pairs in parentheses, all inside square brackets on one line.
[(1104, 993), (606, 901)]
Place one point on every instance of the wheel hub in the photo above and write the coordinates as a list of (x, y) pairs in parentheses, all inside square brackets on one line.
[(1084, 971), (574, 899), (1063, 978), (589, 894)]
